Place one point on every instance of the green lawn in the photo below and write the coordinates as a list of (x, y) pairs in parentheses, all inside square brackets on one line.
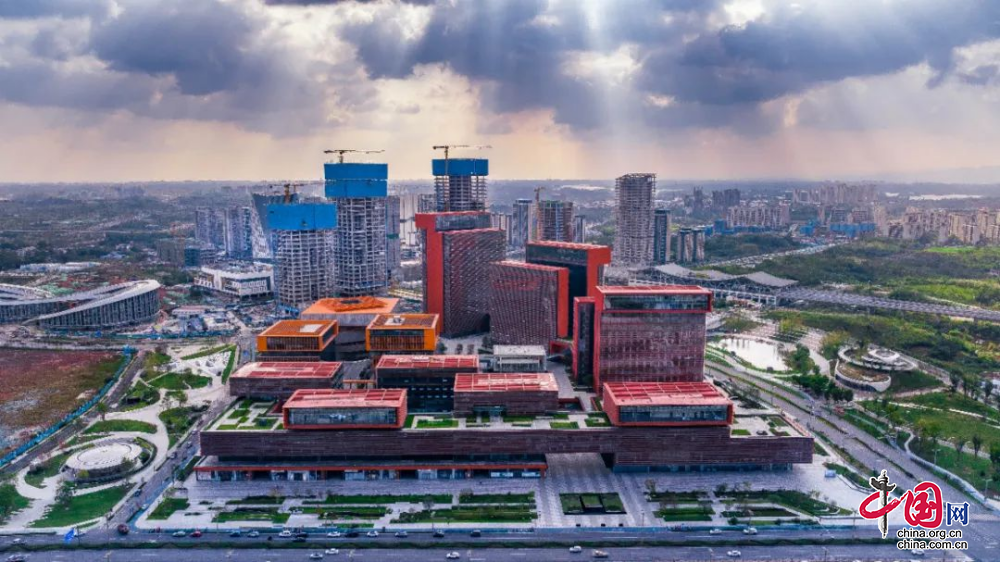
[(347, 512), (788, 498), (577, 504), (974, 470), (564, 425), (498, 498), (699, 513), (678, 497), (109, 426), (740, 432), (914, 380), (10, 501), (471, 514), (229, 366), (760, 512), (207, 352), (140, 396), (178, 421), (168, 507), (252, 514), (949, 425), (48, 469), (955, 401), (258, 500), (597, 420), (78, 509), (180, 381), (518, 419), (382, 499), (437, 424)]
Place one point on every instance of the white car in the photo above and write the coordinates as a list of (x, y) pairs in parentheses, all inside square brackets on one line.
[(286, 534), (715, 532), (372, 534), (452, 556), (332, 551), (734, 554), (334, 535), (575, 549), (316, 556), (599, 554), (750, 531), (917, 552)]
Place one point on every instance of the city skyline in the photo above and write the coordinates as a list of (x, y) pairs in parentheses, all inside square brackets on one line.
[(168, 90)]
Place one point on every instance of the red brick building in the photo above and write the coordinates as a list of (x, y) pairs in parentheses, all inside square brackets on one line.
[(529, 303), (650, 404), (508, 393), (278, 380), (345, 409)]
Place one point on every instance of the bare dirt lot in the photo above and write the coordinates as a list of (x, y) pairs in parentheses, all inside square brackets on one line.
[(39, 387)]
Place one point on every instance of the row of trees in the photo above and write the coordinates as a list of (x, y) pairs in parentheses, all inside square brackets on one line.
[(823, 386)]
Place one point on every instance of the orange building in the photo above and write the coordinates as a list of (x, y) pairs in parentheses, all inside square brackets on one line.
[(402, 333), (353, 315), (298, 340)]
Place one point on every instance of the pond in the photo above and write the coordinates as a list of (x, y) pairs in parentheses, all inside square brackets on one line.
[(760, 354)]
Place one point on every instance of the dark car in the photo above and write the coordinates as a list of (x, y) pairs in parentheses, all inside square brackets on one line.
[(302, 535), (438, 534), (122, 529), (476, 533), (236, 534), (352, 534)]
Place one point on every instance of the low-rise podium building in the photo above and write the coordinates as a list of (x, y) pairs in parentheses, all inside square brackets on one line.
[(345, 409), (298, 340), (279, 380), (506, 393)]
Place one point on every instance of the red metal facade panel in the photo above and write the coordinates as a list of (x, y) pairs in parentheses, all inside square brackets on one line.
[(655, 394), (277, 380), (527, 303), (341, 399), (463, 363), (466, 257)]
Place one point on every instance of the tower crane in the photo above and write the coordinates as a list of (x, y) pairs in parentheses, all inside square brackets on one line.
[(290, 189), (447, 148), (341, 151)]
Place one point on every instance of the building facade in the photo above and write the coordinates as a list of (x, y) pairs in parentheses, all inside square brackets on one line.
[(555, 221), (634, 219), (520, 224), (661, 236), (429, 380), (302, 238), (360, 240), (585, 263), (240, 281), (529, 303)]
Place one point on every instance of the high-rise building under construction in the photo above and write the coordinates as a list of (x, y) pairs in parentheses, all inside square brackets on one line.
[(555, 221), (301, 235), (458, 249), (460, 183), (239, 233), (520, 223), (634, 219), (393, 243), (661, 236), (359, 241)]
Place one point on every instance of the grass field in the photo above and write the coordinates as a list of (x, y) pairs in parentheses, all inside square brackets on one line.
[(974, 470), (10, 501), (693, 513), (167, 508), (437, 424), (381, 499), (207, 352), (109, 426), (471, 514), (947, 425), (564, 425), (178, 421), (179, 381), (252, 514), (48, 469), (955, 401), (509, 498), (78, 509), (577, 504), (914, 380)]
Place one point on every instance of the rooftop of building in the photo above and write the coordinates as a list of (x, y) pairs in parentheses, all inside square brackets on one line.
[(569, 245), (353, 305), (347, 398), (289, 370), (652, 290), (665, 394), (505, 382), (429, 362), (390, 321), (519, 350), (299, 328), (238, 267), (531, 266)]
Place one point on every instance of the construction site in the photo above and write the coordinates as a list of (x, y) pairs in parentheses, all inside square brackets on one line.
[(634, 204)]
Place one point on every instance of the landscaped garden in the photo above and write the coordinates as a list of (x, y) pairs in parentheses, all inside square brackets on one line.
[(111, 426), (167, 508), (69, 509), (591, 503)]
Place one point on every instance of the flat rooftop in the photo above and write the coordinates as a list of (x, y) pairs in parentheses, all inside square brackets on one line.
[(429, 362), (531, 266), (665, 394), (519, 350), (290, 370), (506, 382), (391, 321), (353, 305), (652, 290), (569, 245), (349, 398), (299, 328)]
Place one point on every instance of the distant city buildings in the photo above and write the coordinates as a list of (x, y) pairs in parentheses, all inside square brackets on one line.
[(555, 220), (520, 224), (980, 226), (767, 215), (836, 194), (210, 226), (579, 229), (690, 245), (724, 198), (633, 243)]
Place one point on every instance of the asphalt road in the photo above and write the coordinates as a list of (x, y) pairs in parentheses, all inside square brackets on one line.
[(645, 554)]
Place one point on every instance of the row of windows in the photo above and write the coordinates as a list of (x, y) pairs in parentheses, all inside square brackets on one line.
[(673, 413), (342, 416)]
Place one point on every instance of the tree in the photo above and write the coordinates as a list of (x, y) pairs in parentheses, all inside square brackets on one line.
[(102, 409), (995, 456), (977, 443), (428, 503), (651, 487), (987, 390), (959, 445), (955, 379)]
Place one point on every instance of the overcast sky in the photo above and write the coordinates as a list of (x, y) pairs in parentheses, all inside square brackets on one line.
[(117, 90)]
